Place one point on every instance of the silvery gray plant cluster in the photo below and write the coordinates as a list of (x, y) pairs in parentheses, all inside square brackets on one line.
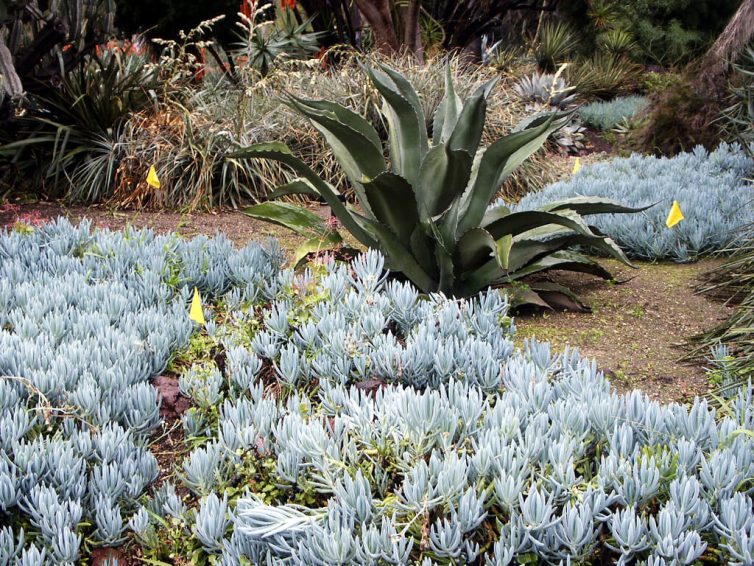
[(470, 451), (86, 320), (607, 114), (711, 187)]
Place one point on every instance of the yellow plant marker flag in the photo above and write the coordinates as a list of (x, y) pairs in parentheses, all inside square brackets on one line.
[(577, 165), (152, 179), (197, 313), (675, 215)]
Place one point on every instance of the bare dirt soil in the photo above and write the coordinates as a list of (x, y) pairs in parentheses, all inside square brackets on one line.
[(635, 330)]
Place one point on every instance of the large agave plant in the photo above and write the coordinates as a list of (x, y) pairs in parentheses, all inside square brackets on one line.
[(428, 209)]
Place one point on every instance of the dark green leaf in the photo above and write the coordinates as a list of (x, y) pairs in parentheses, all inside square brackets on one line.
[(293, 217), (282, 153), (591, 205), (497, 162), (474, 248), (407, 130), (392, 201), (447, 112), (314, 245), (295, 187), (444, 176)]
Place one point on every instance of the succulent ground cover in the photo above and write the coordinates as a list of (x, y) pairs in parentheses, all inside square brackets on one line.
[(310, 438), (712, 188), (605, 115), (86, 320), (350, 420)]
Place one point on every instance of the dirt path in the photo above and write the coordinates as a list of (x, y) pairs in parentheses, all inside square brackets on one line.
[(634, 331)]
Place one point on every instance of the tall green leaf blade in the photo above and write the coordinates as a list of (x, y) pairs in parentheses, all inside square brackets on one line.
[(348, 117), (447, 112), (280, 152), (293, 217), (392, 201), (492, 168), (407, 130), (443, 177), (470, 124), (360, 160)]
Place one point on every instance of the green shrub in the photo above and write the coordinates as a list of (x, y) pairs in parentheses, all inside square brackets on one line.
[(190, 142), (603, 75), (555, 44), (606, 115), (732, 340), (68, 140), (428, 212)]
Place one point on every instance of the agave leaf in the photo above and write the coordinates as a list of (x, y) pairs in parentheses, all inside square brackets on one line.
[(392, 201), (591, 205), (470, 125), (565, 260), (494, 214), (484, 90), (293, 217), (348, 117), (491, 273), (474, 248), (407, 134), (447, 112), (282, 153), (297, 186), (317, 244), (504, 248), (397, 255), (443, 177), (549, 295), (422, 248), (359, 158), (494, 165), (525, 251), (446, 268), (535, 223)]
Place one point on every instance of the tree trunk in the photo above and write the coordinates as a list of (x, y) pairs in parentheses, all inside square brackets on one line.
[(412, 36), (377, 13), (710, 79)]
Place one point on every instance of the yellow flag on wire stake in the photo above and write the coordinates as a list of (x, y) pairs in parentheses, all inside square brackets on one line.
[(577, 165), (152, 179), (675, 215), (197, 313)]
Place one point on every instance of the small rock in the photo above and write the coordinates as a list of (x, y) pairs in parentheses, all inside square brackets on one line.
[(173, 404)]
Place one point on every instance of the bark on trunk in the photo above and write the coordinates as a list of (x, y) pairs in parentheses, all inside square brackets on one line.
[(412, 36), (377, 13), (715, 65)]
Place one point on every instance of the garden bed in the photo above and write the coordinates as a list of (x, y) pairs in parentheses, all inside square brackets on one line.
[(649, 316)]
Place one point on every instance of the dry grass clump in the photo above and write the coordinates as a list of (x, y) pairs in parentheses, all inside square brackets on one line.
[(190, 140)]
